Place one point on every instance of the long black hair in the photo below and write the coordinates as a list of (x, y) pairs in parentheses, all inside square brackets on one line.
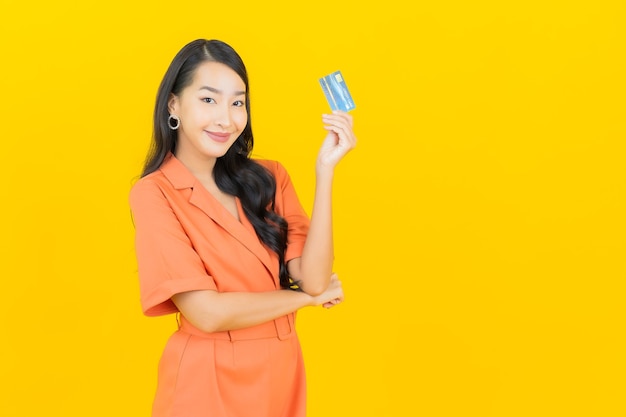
[(234, 173)]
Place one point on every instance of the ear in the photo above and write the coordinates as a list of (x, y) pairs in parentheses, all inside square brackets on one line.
[(172, 104)]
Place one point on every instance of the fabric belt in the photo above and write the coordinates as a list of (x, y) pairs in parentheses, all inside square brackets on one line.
[(282, 328)]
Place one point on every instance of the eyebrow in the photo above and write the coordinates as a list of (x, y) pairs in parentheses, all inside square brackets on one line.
[(216, 91)]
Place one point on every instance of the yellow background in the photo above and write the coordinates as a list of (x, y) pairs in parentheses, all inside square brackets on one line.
[(480, 223)]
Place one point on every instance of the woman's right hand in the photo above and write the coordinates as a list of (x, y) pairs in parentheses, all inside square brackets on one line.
[(333, 294)]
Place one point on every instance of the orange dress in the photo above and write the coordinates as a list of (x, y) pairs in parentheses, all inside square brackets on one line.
[(186, 240)]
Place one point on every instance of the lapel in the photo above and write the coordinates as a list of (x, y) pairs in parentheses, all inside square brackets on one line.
[(181, 178)]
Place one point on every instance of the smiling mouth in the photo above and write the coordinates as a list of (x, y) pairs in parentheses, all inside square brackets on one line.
[(218, 137)]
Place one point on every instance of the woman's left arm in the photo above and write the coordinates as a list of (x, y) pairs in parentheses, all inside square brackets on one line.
[(313, 270)]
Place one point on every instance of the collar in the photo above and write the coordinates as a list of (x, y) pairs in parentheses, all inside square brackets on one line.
[(177, 173), (181, 178)]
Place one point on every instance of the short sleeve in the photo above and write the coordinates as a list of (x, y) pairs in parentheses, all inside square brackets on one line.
[(166, 260), (288, 205)]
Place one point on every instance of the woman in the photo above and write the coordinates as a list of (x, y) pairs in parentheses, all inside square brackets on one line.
[(222, 240)]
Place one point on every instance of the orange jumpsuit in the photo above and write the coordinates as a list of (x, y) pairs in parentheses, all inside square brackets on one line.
[(186, 240)]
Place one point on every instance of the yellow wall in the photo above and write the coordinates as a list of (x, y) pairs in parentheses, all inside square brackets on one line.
[(480, 224)]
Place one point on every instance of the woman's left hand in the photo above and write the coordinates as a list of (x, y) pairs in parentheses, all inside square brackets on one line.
[(339, 141)]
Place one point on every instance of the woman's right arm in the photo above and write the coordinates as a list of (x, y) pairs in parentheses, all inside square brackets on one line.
[(211, 311)]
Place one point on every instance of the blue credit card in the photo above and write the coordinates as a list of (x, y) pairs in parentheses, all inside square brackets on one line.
[(336, 92)]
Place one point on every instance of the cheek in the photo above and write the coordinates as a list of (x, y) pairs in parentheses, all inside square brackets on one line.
[(241, 120), (199, 113), (190, 114)]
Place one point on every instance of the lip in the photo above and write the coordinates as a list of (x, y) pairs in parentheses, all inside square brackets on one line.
[(218, 136)]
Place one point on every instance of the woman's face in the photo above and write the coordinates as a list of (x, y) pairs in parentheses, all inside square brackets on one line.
[(212, 112)]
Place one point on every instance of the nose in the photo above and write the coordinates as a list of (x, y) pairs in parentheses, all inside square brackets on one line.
[(223, 116)]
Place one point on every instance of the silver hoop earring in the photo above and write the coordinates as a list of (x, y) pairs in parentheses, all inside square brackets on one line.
[(173, 121)]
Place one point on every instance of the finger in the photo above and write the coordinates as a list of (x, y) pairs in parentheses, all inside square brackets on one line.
[(339, 120), (332, 303), (342, 116), (340, 123), (343, 138), (343, 131), (345, 116)]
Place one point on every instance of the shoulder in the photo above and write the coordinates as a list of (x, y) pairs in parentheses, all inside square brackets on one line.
[(274, 167), (149, 186)]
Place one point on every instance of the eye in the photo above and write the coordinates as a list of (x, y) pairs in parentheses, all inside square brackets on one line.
[(208, 100), (239, 103)]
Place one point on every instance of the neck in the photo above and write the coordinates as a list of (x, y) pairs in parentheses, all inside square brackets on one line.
[(201, 167)]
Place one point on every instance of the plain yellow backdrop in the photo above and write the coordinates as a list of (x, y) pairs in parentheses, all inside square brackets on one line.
[(480, 228)]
